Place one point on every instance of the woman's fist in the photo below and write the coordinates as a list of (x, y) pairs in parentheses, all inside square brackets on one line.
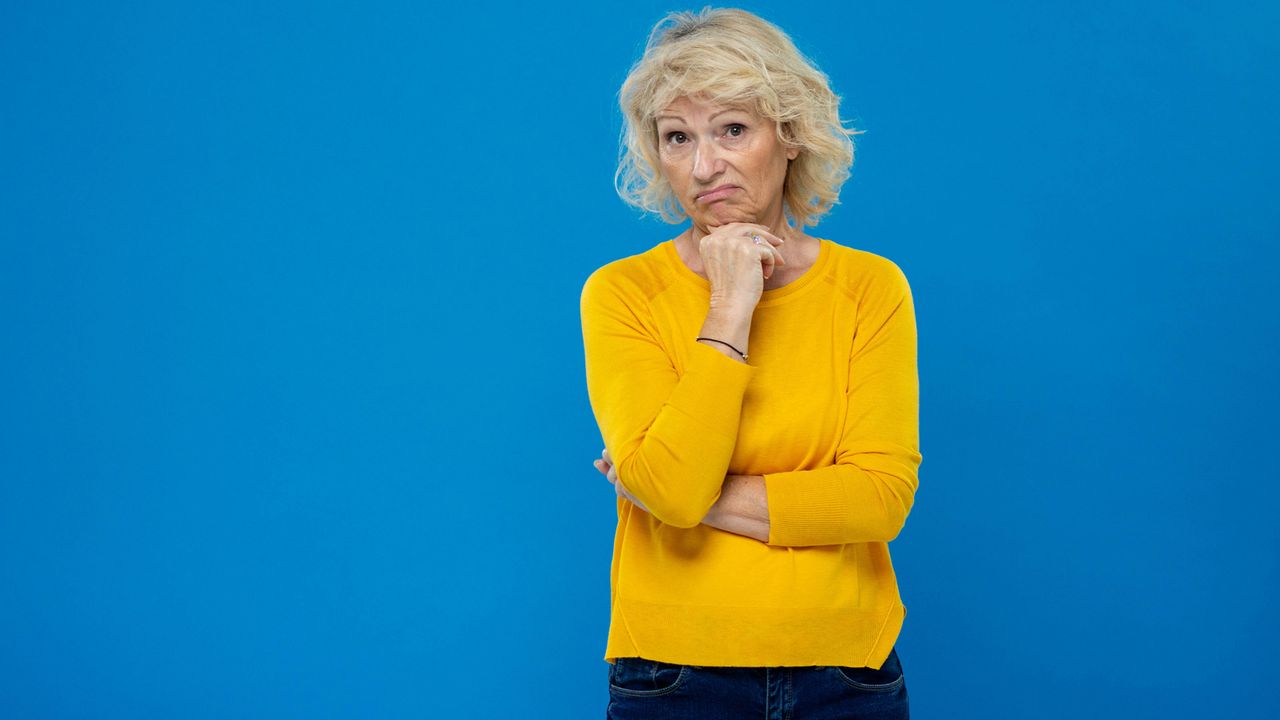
[(605, 465), (737, 258)]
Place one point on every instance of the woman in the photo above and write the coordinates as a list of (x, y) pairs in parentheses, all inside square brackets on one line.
[(757, 392)]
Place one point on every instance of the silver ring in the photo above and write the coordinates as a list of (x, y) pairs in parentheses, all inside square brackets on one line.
[(757, 240)]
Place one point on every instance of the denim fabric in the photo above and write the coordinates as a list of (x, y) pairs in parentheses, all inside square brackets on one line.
[(653, 690)]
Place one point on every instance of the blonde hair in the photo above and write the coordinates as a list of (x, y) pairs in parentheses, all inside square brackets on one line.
[(731, 56)]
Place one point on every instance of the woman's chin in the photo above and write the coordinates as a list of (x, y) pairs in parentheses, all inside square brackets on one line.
[(720, 215)]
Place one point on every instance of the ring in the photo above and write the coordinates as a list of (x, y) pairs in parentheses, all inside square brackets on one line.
[(757, 240)]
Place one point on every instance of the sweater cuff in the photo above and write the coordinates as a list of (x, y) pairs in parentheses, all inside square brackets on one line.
[(806, 507)]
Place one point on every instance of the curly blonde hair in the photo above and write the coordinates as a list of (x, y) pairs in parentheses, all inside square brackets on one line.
[(731, 56)]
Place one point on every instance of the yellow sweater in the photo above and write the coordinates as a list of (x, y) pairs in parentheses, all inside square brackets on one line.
[(827, 411)]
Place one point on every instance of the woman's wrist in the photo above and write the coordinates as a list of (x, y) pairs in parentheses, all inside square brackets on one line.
[(729, 326)]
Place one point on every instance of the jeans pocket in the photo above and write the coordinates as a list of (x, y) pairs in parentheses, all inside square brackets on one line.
[(887, 679), (640, 677)]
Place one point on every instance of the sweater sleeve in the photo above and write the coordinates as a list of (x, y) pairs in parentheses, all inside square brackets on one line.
[(866, 495), (671, 435)]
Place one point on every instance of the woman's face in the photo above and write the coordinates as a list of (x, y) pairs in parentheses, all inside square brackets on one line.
[(725, 163)]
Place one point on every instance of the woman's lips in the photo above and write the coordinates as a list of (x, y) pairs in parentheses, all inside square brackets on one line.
[(719, 193)]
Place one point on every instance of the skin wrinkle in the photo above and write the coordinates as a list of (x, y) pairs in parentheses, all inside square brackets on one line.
[(706, 150)]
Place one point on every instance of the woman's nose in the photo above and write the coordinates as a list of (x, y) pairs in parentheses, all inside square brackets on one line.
[(705, 161)]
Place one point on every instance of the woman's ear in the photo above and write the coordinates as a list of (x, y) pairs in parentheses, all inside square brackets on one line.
[(788, 141)]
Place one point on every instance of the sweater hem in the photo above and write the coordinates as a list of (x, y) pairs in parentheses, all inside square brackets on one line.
[(742, 636)]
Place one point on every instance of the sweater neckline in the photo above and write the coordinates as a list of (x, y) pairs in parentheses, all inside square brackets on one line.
[(768, 297)]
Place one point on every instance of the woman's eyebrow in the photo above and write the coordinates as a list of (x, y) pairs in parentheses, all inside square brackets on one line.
[(713, 117)]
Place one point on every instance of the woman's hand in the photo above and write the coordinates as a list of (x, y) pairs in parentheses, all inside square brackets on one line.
[(735, 265), (605, 465)]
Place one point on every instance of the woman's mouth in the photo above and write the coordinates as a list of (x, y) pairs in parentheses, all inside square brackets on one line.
[(717, 193)]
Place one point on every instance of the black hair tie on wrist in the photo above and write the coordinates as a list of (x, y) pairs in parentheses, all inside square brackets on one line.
[(744, 355)]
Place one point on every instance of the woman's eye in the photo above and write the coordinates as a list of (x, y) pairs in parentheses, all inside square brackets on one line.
[(739, 130), (674, 136)]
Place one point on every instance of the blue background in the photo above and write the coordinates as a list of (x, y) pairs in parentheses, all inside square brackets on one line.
[(295, 420)]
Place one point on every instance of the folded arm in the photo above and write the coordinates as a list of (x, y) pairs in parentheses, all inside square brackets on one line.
[(671, 434), (866, 495)]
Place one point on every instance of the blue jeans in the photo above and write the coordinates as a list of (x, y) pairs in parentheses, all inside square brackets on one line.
[(653, 690)]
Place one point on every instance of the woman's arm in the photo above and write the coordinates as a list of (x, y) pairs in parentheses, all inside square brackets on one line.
[(742, 509), (869, 491), (671, 433)]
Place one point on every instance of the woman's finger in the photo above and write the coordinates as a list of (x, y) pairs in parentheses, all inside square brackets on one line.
[(770, 259), (749, 229), (630, 498), (770, 255), (767, 261), (778, 259), (762, 230)]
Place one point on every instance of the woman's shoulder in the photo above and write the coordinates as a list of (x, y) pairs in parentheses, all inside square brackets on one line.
[(855, 268), (642, 274)]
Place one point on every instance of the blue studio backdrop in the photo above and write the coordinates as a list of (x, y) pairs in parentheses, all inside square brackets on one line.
[(294, 419)]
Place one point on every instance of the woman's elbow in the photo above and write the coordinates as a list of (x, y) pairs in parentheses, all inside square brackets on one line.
[(897, 508)]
